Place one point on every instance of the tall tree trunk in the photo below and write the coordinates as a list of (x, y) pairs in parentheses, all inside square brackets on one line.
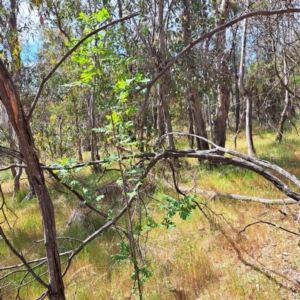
[(246, 94), (161, 61), (93, 139), (78, 138), (14, 48), (191, 91), (287, 104), (236, 90), (223, 101), (190, 125), (10, 99), (200, 128)]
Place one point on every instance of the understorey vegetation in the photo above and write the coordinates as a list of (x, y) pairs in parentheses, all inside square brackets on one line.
[(149, 150)]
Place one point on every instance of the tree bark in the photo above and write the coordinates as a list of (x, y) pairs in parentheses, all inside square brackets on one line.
[(246, 94), (193, 99), (223, 101), (287, 104), (190, 125), (161, 61), (198, 120), (236, 90), (78, 138), (11, 101)]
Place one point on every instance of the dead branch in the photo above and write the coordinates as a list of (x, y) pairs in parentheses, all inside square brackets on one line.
[(32, 261), (268, 223), (211, 156), (21, 270), (2, 207), (246, 158), (213, 194), (96, 233), (28, 267)]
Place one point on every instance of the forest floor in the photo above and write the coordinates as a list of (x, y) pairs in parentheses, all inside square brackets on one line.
[(211, 256)]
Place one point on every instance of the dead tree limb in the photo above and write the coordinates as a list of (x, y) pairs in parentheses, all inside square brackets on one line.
[(268, 223), (213, 194), (15, 252)]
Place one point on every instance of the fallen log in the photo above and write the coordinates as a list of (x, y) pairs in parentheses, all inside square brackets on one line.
[(214, 195)]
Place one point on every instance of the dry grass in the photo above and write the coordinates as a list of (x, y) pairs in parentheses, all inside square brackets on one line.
[(199, 259)]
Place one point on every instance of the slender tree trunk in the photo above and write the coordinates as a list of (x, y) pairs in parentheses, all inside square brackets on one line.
[(192, 91), (17, 179), (60, 137), (246, 94), (93, 139), (249, 135), (161, 60), (11, 101), (160, 121), (190, 124), (14, 47), (236, 91), (223, 100), (209, 116), (12, 146), (78, 138), (287, 104), (200, 128), (165, 115)]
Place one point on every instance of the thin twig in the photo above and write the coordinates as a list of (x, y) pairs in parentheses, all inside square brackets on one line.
[(10, 246), (269, 223)]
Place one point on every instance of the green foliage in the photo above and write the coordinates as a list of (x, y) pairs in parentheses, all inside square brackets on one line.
[(124, 252), (64, 167), (183, 207), (95, 18)]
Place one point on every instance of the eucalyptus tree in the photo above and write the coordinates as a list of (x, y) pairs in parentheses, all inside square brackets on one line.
[(223, 98), (246, 93), (285, 48), (195, 111), (104, 71), (20, 122), (11, 50)]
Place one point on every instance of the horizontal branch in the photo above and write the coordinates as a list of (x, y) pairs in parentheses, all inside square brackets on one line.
[(211, 156), (32, 261), (259, 162), (213, 194), (268, 223)]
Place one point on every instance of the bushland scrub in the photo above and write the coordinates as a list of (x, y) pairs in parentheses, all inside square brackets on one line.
[(210, 255)]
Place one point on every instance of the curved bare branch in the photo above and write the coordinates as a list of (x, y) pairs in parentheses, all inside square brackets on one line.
[(202, 38)]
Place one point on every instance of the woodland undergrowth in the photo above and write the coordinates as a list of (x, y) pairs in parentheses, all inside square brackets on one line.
[(210, 255)]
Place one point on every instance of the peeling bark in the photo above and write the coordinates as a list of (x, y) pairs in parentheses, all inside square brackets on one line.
[(11, 101)]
